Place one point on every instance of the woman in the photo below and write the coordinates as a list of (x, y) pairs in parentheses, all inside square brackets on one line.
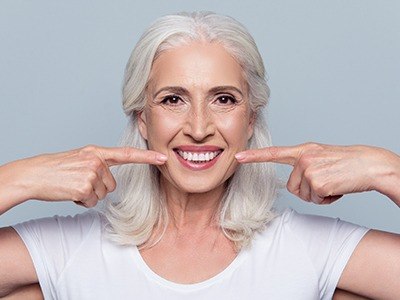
[(193, 215)]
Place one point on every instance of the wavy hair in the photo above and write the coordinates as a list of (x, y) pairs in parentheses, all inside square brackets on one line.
[(246, 206)]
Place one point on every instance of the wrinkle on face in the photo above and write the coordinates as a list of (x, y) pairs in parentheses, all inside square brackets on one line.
[(198, 74)]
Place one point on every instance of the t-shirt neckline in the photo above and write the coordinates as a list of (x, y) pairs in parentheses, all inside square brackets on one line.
[(191, 286)]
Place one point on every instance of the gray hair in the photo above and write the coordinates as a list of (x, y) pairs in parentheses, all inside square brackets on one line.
[(246, 206)]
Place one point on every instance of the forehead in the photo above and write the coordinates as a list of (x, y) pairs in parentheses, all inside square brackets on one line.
[(198, 64)]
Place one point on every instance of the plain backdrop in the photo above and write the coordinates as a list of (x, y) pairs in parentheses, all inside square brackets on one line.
[(333, 69)]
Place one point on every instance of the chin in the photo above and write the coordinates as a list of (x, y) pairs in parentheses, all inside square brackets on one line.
[(196, 182), (197, 188)]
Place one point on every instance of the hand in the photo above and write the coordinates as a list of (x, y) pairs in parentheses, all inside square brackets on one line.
[(81, 175), (323, 173)]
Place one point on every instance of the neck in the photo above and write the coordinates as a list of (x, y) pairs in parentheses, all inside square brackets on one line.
[(189, 211)]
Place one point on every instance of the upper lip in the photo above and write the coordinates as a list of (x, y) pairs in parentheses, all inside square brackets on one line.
[(193, 148)]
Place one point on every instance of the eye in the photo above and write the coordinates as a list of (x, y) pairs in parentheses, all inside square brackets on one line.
[(171, 100), (226, 99)]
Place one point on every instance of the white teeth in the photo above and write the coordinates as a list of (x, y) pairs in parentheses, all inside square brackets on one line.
[(198, 157)]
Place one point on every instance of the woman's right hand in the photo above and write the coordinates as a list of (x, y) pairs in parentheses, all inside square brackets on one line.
[(81, 175)]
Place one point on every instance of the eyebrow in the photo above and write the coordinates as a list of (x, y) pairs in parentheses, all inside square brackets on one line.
[(182, 90)]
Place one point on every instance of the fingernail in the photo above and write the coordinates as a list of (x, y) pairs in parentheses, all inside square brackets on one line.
[(240, 156), (161, 158)]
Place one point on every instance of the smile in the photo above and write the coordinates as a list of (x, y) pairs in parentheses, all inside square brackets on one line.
[(198, 157)]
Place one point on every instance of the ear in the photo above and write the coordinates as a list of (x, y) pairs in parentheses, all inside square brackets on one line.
[(250, 129), (141, 119)]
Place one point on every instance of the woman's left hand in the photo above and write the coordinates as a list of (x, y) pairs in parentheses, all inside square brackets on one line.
[(324, 173)]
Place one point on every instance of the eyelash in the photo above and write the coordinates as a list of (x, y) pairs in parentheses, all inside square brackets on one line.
[(167, 99), (229, 97)]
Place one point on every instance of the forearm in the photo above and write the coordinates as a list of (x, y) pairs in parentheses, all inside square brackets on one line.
[(387, 178), (13, 190)]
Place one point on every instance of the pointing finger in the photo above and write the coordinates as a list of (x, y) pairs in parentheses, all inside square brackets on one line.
[(127, 155), (283, 155)]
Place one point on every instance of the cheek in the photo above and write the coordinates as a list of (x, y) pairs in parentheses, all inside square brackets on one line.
[(161, 129), (235, 129)]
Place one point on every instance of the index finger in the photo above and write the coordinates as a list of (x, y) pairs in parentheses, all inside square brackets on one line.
[(127, 155), (284, 155)]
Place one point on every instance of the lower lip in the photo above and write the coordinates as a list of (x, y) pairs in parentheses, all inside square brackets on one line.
[(197, 166)]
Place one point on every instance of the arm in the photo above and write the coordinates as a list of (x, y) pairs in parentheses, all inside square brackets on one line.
[(81, 175), (17, 268), (374, 267), (322, 174), (12, 190), (31, 292), (344, 295)]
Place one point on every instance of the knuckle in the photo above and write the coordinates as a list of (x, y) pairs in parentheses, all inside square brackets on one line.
[(309, 175), (91, 177), (88, 154), (102, 195), (273, 151), (317, 199), (303, 162), (76, 197), (90, 204), (95, 163), (127, 152), (89, 148), (306, 160), (304, 197), (291, 188), (319, 188), (312, 146), (85, 190), (112, 186)]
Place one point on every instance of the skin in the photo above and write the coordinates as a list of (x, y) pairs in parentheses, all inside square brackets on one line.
[(198, 115), (198, 118), (321, 174), (81, 175)]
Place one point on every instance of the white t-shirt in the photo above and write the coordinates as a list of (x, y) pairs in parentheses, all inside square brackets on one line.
[(296, 257)]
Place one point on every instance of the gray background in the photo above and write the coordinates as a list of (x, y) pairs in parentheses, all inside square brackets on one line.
[(334, 72)]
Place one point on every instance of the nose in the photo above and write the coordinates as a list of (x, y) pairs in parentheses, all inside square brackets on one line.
[(199, 123)]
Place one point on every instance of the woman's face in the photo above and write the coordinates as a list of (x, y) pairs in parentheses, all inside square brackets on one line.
[(197, 113)]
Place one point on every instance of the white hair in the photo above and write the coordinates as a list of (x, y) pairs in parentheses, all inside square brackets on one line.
[(246, 206)]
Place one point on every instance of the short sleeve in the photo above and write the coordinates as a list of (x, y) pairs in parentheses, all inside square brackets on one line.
[(329, 244), (53, 242)]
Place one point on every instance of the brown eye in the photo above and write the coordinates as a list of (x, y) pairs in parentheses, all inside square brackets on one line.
[(171, 100), (226, 99)]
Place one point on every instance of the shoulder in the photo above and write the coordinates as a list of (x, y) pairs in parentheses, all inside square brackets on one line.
[(316, 238), (83, 220), (61, 230), (302, 224), (317, 247)]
